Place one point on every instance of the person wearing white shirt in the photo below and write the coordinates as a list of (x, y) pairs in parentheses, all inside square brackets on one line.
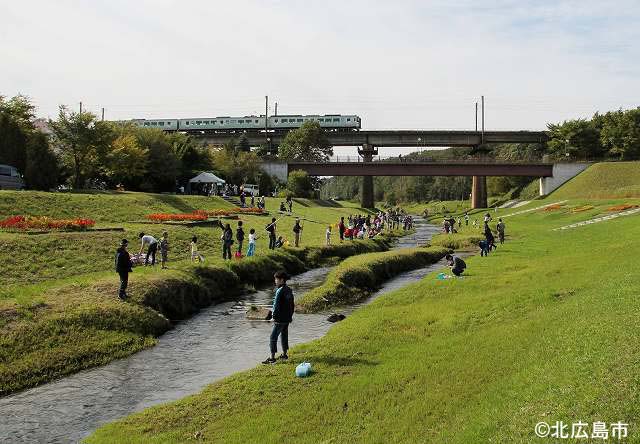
[(146, 239)]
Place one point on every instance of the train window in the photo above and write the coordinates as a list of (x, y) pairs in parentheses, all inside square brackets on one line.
[(146, 123), (336, 120), (240, 121), (348, 119), (160, 123), (299, 120), (168, 123), (275, 121), (256, 121)]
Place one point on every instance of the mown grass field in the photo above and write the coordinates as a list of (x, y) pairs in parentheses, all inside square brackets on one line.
[(58, 307), (544, 329)]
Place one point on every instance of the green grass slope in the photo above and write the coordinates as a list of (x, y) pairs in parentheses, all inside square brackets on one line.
[(544, 329), (606, 180)]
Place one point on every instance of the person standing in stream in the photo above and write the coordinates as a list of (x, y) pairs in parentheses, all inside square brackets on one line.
[(282, 314)]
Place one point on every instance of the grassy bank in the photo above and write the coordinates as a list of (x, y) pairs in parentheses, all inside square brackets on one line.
[(544, 329), (58, 307), (356, 277)]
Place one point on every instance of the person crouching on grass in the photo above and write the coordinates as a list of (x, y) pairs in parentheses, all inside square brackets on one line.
[(283, 307), (457, 265)]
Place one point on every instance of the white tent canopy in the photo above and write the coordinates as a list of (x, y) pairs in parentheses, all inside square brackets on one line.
[(206, 177)]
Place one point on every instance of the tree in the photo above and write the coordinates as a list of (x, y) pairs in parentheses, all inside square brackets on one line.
[(575, 139), (83, 141), (308, 143), (300, 184), (164, 162), (20, 109), (620, 133), (127, 160), (242, 144), (41, 172), (13, 142), (236, 167)]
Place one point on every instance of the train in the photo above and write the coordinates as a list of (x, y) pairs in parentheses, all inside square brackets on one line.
[(332, 122)]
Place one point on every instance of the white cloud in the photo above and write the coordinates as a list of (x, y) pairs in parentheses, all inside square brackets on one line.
[(405, 64)]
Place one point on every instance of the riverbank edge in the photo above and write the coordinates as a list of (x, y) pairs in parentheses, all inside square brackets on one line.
[(357, 277), (84, 325)]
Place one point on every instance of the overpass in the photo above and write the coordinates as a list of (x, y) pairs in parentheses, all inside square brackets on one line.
[(387, 138), (551, 175)]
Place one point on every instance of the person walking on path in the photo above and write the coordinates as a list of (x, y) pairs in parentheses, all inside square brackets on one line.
[(491, 240), (252, 243), (164, 249), (282, 313), (457, 265), (240, 237), (194, 250), (271, 229), (297, 228), (146, 239), (500, 229), (123, 266), (227, 241)]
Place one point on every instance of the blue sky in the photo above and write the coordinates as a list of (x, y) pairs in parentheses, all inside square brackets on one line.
[(401, 64)]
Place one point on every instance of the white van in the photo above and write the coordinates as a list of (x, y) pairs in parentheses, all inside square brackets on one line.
[(10, 179), (250, 189)]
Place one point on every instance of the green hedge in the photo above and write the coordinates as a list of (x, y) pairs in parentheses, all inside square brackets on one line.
[(356, 277), (457, 241)]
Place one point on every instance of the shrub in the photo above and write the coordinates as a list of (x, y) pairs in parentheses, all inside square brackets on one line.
[(357, 276)]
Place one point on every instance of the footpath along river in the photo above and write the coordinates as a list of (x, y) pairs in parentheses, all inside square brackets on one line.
[(211, 345)]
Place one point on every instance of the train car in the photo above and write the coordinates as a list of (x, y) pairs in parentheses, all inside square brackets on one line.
[(329, 121), (163, 124), (224, 123)]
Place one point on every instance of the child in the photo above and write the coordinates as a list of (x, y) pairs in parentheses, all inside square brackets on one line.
[(484, 248), (164, 249), (194, 250), (328, 234), (252, 243), (279, 243)]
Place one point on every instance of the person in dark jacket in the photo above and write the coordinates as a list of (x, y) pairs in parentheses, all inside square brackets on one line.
[(123, 268), (271, 229), (283, 307), (240, 236), (227, 241), (457, 265), (297, 228)]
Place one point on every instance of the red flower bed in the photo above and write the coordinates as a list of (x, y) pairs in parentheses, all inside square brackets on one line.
[(163, 217), (621, 207), (202, 214), (45, 223)]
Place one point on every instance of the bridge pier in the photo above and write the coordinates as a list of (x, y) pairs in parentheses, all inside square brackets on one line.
[(479, 192), (367, 198)]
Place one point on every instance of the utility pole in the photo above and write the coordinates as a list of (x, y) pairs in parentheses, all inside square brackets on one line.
[(80, 107), (476, 117), (482, 138), (276, 113), (103, 114), (266, 122)]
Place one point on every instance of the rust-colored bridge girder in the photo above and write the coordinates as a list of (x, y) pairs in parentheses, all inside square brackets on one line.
[(368, 169), (423, 169)]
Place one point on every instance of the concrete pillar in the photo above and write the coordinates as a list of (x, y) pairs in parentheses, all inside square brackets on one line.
[(479, 192), (367, 152)]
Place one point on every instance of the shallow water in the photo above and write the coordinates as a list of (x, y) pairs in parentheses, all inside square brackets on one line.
[(213, 344)]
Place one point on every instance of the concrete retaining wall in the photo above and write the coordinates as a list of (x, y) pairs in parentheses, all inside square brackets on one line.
[(562, 172)]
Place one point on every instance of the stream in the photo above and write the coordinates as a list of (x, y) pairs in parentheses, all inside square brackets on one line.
[(213, 344)]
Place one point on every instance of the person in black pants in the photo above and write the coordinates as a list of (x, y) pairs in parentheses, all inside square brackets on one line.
[(227, 241), (152, 242), (457, 265), (240, 236), (283, 307), (123, 268), (271, 228)]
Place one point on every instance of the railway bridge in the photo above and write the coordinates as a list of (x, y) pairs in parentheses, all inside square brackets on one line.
[(369, 141)]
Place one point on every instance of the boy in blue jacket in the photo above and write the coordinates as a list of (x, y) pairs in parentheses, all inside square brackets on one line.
[(283, 307)]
